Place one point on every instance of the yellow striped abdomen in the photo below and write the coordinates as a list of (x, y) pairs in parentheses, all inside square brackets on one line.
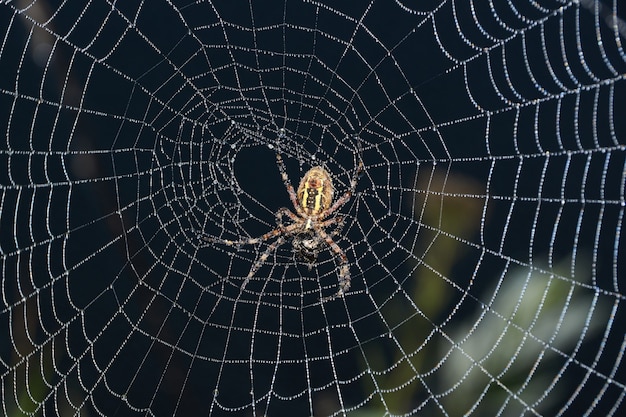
[(315, 192)]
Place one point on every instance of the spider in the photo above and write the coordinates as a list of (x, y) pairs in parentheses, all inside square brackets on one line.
[(313, 205)]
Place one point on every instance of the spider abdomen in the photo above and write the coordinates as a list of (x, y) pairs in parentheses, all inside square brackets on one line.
[(315, 192)]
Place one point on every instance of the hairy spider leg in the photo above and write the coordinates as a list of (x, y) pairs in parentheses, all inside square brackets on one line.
[(281, 231), (292, 193), (344, 269), (257, 264), (247, 241), (337, 221), (346, 197), (283, 211)]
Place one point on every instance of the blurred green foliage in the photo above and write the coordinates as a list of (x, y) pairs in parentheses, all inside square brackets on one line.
[(502, 358)]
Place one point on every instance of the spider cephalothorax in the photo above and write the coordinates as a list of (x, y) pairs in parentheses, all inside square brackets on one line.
[(313, 203), (306, 247)]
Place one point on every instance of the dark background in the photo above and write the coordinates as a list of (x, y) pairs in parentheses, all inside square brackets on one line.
[(128, 128)]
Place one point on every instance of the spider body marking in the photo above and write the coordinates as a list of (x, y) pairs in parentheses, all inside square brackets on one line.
[(315, 192), (313, 203)]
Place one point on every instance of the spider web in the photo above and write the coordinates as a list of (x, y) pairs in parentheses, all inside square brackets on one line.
[(484, 239)]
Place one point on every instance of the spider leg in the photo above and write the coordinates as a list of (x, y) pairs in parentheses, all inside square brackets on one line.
[(283, 211), (346, 197), (344, 269), (257, 264), (337, 221), (253, 240), (290, 190), (207, 239)]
